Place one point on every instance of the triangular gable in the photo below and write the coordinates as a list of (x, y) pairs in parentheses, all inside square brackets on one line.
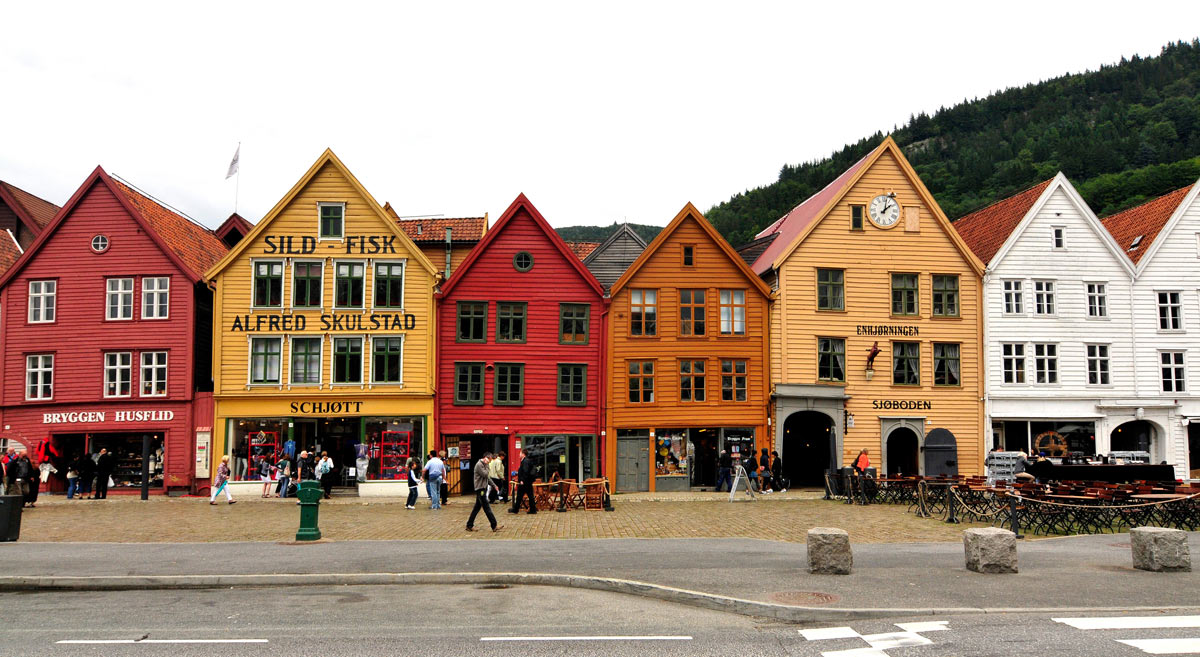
[(690, 210), (33, 211), (987, 230), (847, 181), (1148, 219), (235, 222), (326, 158), (622, 231), (10, 250), (490, 236)]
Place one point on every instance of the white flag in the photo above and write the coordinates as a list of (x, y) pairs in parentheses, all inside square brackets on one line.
[(233, 165)]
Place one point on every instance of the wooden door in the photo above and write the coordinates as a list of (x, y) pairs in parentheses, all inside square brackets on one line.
[(633, 464)]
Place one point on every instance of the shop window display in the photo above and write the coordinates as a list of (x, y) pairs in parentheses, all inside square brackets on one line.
[(670, 453), (127, 458), (389, 442), (253, 438)]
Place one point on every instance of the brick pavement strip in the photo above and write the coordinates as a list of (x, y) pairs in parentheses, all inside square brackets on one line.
[(130, 520)]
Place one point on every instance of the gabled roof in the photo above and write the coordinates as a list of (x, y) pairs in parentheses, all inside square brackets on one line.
[(235, 222), (582, 249), (986, 230), (34, 212), (690, 211), (329, 158), (433, 229), (10, 250), (1145, 221), (750, 251), (520, 202), (184, 242), (622, 230)]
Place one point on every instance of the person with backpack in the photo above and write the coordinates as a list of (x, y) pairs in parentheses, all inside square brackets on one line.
[(324, 472), (751, 465)]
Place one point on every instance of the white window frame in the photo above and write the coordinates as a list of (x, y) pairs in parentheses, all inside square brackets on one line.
[(110, 295), (291, 300), (362, 367), (1177, 305), (1096, 291), (164, 293), (368, 281), (1045, 365), (371, 380), (43, 373), (1014, 297), (250, 362), (403, 262), (1016, 372), (1179, 384), (153, 378), (1044, 303), (733, 307), (1096, 360), (50, 309), (320, 366), (1058, 238), (114, 370), (323, 204), (283, 288)]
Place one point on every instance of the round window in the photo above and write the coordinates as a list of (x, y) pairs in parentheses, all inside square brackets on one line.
[(523, 261), (99, 244)]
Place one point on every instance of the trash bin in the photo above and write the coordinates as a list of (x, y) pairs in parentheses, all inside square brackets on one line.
[(10, 517)]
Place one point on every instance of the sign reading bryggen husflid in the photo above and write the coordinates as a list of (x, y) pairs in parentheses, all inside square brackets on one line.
[(323, 334)]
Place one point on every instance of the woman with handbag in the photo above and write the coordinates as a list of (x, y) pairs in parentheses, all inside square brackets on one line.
[(324, 473), (222, 482)]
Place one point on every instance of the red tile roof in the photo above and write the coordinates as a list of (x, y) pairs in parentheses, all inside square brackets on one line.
[(9, 250), (582, 249), (198, 247), (40, 210), (433, 229), (986, 230), (1145, 221)]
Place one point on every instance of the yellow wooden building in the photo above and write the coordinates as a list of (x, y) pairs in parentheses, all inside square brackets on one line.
[(876, 328), (323, 334)]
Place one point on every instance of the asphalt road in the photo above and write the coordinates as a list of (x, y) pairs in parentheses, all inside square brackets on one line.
[(459, 620)]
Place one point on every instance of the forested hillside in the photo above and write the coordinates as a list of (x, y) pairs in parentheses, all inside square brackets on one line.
[(601, 233), (1122, 134)]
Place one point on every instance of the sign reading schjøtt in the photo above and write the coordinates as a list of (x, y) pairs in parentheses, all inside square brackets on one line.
[(83, 417)]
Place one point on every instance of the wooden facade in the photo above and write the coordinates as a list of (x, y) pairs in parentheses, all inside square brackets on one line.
[(693, 390), (614, 255), (23, 214)]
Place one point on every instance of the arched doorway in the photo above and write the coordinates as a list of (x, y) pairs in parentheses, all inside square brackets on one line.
[(1136, 436), (902, 452), (807, 440)]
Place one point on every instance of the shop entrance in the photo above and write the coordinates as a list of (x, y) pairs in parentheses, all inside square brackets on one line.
[(702, 457), (562, 456), (1136, 436), (808, 438), (902, 452), (475, 447), (127, 451), (340, 437), (633, 461)]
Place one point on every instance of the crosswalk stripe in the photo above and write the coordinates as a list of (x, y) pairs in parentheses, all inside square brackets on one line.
[(1129, 622), (856, 652), (924, 626), (1164, 646), (829, 633)]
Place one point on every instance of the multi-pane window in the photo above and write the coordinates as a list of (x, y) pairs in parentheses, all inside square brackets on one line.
[(945, 296), (691, 312), (154, 373), (387, 358), (906, 363), (42, 300), (856, 217), (332, 220), (348, 285), (119, 298), (1170, 311), (510, 384), (1173, 374), (1012, 298), (264, 359), (1045, 363), (1043, 297), (572, 385), (946, 364), (510, 322), (1097, 364), (1013, 362), (733, 380), (389, 285), (268, 284), (307, 283), (1058, 237), (691, 380), (573, 323), (118, 374), (904, 294), (468, 384), (472, 321), (156, 296), (831, 289), (643, 312), (39, 376), (689, 255), (733, 312), (831, 359), (1097, 299), (306, 360), (641, 381), (347, 360)]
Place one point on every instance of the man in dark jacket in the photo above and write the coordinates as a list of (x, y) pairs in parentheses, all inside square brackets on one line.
[(104, 468), (87, 475), (27, 480), (526, 474), (482, 482), (724, 471)]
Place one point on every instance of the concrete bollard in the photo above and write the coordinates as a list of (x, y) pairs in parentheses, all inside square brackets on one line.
[(990, 550), (829, 551), (1159, 549)]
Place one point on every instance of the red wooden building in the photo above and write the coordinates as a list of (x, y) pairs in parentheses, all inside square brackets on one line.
[(520, 350), (107, 337)]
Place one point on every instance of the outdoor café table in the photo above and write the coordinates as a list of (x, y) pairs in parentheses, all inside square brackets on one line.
[(934, 501)]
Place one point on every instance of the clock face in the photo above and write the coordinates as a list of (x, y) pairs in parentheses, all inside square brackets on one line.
[(884, 211)]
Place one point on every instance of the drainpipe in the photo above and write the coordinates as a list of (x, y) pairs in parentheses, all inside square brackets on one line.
[(602, 440), (986, 350)]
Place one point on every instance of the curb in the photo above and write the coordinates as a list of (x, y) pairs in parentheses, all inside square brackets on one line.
[(623, 586)]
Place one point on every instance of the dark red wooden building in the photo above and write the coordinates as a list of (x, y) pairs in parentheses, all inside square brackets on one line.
[(521, 350), (107, 337)]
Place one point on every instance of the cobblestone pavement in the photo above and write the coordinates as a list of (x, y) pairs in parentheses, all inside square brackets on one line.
[(126, 519)]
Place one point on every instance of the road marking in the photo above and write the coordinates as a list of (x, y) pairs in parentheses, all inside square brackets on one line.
[(856, 652), (895, 640), (585, 638), (878, 642), (924, 626), (1129, 622), (1164, 646), (111, 641), (829, 633)]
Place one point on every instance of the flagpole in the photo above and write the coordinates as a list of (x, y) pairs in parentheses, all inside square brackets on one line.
[(237, 183)]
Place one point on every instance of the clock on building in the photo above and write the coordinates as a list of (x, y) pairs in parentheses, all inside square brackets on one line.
[(884, 210)]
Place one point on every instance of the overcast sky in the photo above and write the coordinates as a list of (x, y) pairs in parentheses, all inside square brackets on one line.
[(599, 112)]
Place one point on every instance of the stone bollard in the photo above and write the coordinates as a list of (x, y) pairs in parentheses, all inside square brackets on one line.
[(1159, 549), (829, 551), (990, 550)]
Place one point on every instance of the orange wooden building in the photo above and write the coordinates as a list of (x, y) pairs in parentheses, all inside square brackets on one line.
[(688, 360)]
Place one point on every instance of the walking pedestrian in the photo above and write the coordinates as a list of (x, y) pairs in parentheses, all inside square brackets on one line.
[(324, 472), (283, 469), (751, 465), (526, 474), (499, 489), (724, 471), (435, 472), (777, 479), (414, 481), (764, 472), (445, 489), (262, 466), (483, 484), (104, 469), (222, 482), (73, 477), (23, 478)]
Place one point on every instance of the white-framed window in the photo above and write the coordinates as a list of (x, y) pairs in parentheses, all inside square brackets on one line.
[(39, 376), (156, 297), (387, 359), (1013, 357), (1045, 363), (42, 301), (1058, 237), (347, 361), (1043, 297), (1012, 298), (1097, 300), (1097, 365), (118, 373), (1174, 371), (331, 221), (307, 354), (119, 299), (1170, 311), (265, 354), (154, 374)]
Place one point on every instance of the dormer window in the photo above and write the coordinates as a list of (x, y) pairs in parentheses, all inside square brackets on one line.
[(332, 220), (1137, 241)]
